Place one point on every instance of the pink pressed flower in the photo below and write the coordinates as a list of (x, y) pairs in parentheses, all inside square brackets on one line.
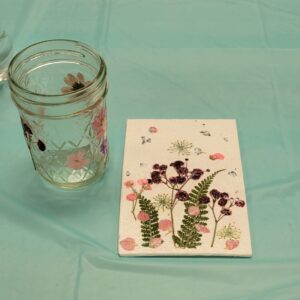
[(165, 225), (143, 217), (155, 242), (147, 187), (152, 129), (76, 161), (128, 244), (231, 244), (131, 197), (194, 211), (142, 181), (74, 83), (216, 156), (201, 228), (99, 124), (129, 183)]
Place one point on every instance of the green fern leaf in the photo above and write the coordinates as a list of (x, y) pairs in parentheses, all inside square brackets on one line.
[(149, 229), (188, 236)]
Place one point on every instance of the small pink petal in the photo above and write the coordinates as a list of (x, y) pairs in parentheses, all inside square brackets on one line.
[(131, 197), (100, 133), (152, 129), (165, 225), (99, 124), (143, 216), (194, 211), (231, 244), (80, 77), (142, 181), (155, 242), (67, 81), (217, 156), (71, 78), (147, 187), (201, 228), (128, 244), (129, 183), (79, 154), (66, 90), (76, 161)]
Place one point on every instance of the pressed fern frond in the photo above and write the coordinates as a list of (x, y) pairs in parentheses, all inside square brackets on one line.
[(149, 228), (188, 236)]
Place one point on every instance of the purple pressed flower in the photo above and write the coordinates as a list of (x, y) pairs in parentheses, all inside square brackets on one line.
[(173, 180), (180, 179), (104, 147), (204, 200), (156, 180), (177, 164), (222, 202), (155, 176), (226, 212), (196, 174), (155, 166), (182, 195), (163, 167), (240, 203), (224, 196), (182, 171), (215, 193)]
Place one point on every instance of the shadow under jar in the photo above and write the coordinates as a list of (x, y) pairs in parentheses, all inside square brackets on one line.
[(59, 88)]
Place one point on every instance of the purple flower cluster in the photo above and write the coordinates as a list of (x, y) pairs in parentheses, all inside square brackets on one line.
[(223, 200), (177, 181)]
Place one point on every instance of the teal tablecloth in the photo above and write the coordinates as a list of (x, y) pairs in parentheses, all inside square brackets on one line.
[(166, 59)]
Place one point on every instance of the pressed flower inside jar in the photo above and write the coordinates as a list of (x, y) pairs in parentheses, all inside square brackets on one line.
[(74, 83)]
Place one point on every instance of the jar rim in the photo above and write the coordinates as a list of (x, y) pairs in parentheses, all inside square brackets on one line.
[(101, 73)]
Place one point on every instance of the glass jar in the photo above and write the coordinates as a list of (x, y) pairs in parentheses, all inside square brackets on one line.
[(59, 88)]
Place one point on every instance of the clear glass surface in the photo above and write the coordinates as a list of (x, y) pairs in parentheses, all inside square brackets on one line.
[(59, 88), (5, 54)]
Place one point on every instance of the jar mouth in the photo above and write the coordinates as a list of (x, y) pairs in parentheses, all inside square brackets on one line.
[(61, 98)]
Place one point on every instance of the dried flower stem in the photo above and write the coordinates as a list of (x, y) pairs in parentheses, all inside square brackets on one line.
[(217, 220), (134, 203)]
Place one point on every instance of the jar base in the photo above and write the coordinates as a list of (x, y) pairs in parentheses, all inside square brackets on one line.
[(77, 185)]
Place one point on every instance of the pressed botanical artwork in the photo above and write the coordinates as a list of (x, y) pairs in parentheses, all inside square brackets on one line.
[(183, 191)]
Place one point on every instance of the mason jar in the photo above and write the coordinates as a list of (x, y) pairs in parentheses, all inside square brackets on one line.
[(59, 88)]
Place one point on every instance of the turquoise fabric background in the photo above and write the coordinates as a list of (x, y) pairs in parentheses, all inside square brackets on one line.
[(166, 59)]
